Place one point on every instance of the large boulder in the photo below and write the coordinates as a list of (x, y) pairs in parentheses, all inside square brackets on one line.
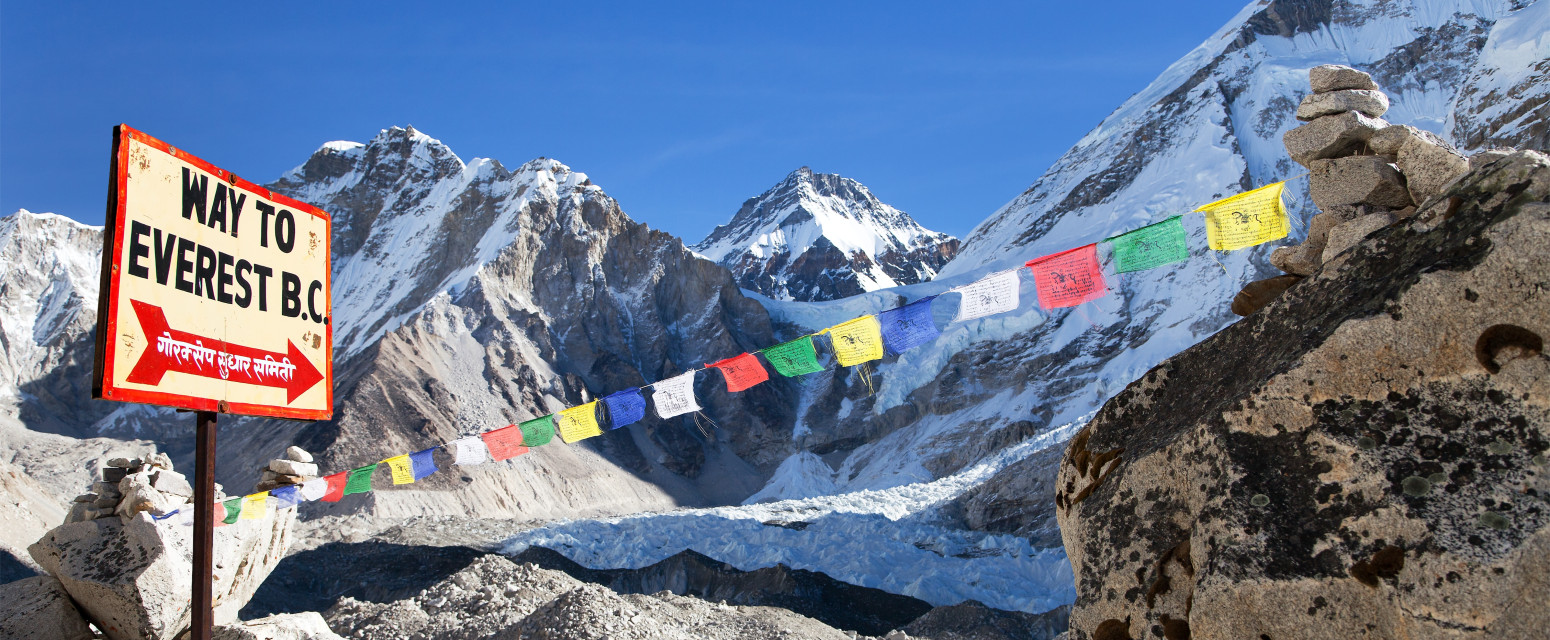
[(1364, 457), (38, 608), (133, 578)]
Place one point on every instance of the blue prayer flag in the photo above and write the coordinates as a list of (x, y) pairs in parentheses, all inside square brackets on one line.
[(285, 496), (423, 464), (908, 326), (625, 407)]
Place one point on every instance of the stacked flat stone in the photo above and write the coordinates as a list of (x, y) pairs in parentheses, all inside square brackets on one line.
[(131, 485), (1364, 173), (295, 468)]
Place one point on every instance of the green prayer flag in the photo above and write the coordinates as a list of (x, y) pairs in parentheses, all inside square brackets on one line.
[(233, 510), (794, 358), (1150, 246), (359, 480), (538, 431)]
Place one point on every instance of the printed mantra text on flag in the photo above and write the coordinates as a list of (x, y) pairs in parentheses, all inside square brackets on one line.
[(625, 407), (741, 372), (1068, 278), (1247, 219), (794, 358), (992, 294), (1150, 246), (857, 341), (424, 463), (505, 442), (401, 469), (579, 423), (536, 432), (908, 326), (470, 450), (675, 396), (360, 479)]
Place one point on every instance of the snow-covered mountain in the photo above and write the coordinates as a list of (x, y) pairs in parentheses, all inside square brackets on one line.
[(1209, 126), (822, 236), (469, 296)]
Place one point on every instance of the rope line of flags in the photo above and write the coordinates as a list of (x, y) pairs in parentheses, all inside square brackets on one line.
[(1063, 279)]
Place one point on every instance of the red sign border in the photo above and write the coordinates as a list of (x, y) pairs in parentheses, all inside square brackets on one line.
[(107, 297)]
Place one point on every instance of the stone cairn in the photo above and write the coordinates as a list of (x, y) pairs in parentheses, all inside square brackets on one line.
[(129, 486), (128, 576), (1364, 174), (295, 468)]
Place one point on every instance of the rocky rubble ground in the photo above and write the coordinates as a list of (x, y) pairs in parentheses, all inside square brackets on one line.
[(496, 597), (1364, 455)]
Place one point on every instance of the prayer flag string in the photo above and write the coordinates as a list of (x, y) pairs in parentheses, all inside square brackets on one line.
[(1062, 279)]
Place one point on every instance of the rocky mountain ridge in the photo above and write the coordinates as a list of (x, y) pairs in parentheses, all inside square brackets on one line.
[(822, 236)]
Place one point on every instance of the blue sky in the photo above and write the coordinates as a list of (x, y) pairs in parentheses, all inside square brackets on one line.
[(679, 110)]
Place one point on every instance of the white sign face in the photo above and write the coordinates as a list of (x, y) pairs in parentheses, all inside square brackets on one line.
[(216, 293)]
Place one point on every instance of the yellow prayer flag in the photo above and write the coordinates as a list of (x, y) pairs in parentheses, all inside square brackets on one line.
[(1247, 219), (857, 341), (402, 468), (254, 506), (579, 423)]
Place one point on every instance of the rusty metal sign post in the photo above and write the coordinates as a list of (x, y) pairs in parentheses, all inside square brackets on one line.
[(214, 299)]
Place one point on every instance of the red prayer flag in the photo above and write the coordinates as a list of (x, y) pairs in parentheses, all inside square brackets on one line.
[(336, 484), (741, 372), (1068, 278), (505, 442)]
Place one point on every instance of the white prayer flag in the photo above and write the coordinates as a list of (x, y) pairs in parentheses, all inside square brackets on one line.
[(992, 294), (675, 396), (470, 450), (313, 489)]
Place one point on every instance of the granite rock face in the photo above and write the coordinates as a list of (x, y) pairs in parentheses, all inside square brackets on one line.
[(1348, 234), (38, 608), (1366, 457), (1429, 167)]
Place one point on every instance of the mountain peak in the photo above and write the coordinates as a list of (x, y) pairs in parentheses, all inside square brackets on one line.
[(822, 236)]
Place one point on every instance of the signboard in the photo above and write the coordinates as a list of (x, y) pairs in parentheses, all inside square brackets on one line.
[(215, 291)]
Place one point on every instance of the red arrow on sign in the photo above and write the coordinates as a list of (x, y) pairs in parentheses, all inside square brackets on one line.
[(184, 352)]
